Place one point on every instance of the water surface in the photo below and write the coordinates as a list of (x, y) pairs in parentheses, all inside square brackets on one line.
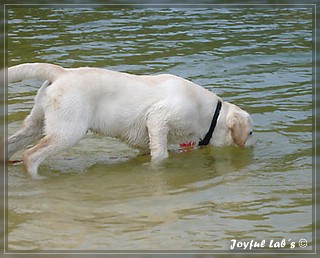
[(100, 195)]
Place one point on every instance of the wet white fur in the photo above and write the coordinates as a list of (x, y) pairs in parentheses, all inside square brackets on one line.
[(143, 110)]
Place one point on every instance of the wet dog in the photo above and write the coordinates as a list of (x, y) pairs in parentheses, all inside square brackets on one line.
[(146, 111)]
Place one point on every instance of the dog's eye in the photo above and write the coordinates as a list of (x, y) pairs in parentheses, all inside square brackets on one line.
[(250, 133)]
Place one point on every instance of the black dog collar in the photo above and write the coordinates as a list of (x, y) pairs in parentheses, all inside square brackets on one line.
[(208, 136)]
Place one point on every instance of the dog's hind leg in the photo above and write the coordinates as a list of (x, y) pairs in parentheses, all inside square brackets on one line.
[(56, 140), (31, 129), (65, 125), (49, 145)]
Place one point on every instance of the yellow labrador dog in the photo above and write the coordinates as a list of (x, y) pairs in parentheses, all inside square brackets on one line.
[(145, 111)]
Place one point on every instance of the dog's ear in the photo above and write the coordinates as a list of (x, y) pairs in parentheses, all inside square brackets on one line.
[(238, 127)]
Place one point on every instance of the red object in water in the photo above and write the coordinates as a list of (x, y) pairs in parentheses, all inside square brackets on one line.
[(187, 145), (14, 161)]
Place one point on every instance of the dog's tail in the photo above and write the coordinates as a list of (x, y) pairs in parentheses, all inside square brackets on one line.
[(43, 71)]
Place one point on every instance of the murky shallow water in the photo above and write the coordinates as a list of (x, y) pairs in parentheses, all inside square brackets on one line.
[(100, 195)]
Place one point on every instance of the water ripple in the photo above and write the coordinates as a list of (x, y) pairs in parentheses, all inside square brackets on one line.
[(101, 195)]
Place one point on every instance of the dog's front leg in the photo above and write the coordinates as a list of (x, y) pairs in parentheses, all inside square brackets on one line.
[(158, 133)]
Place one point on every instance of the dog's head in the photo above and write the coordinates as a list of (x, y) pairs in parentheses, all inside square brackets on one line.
[(240, 126)]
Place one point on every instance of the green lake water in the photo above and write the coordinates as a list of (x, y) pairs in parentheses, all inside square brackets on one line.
[(100, 195)]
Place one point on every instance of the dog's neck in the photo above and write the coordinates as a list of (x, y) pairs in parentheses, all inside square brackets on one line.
[(206, 140), (219, 135)]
